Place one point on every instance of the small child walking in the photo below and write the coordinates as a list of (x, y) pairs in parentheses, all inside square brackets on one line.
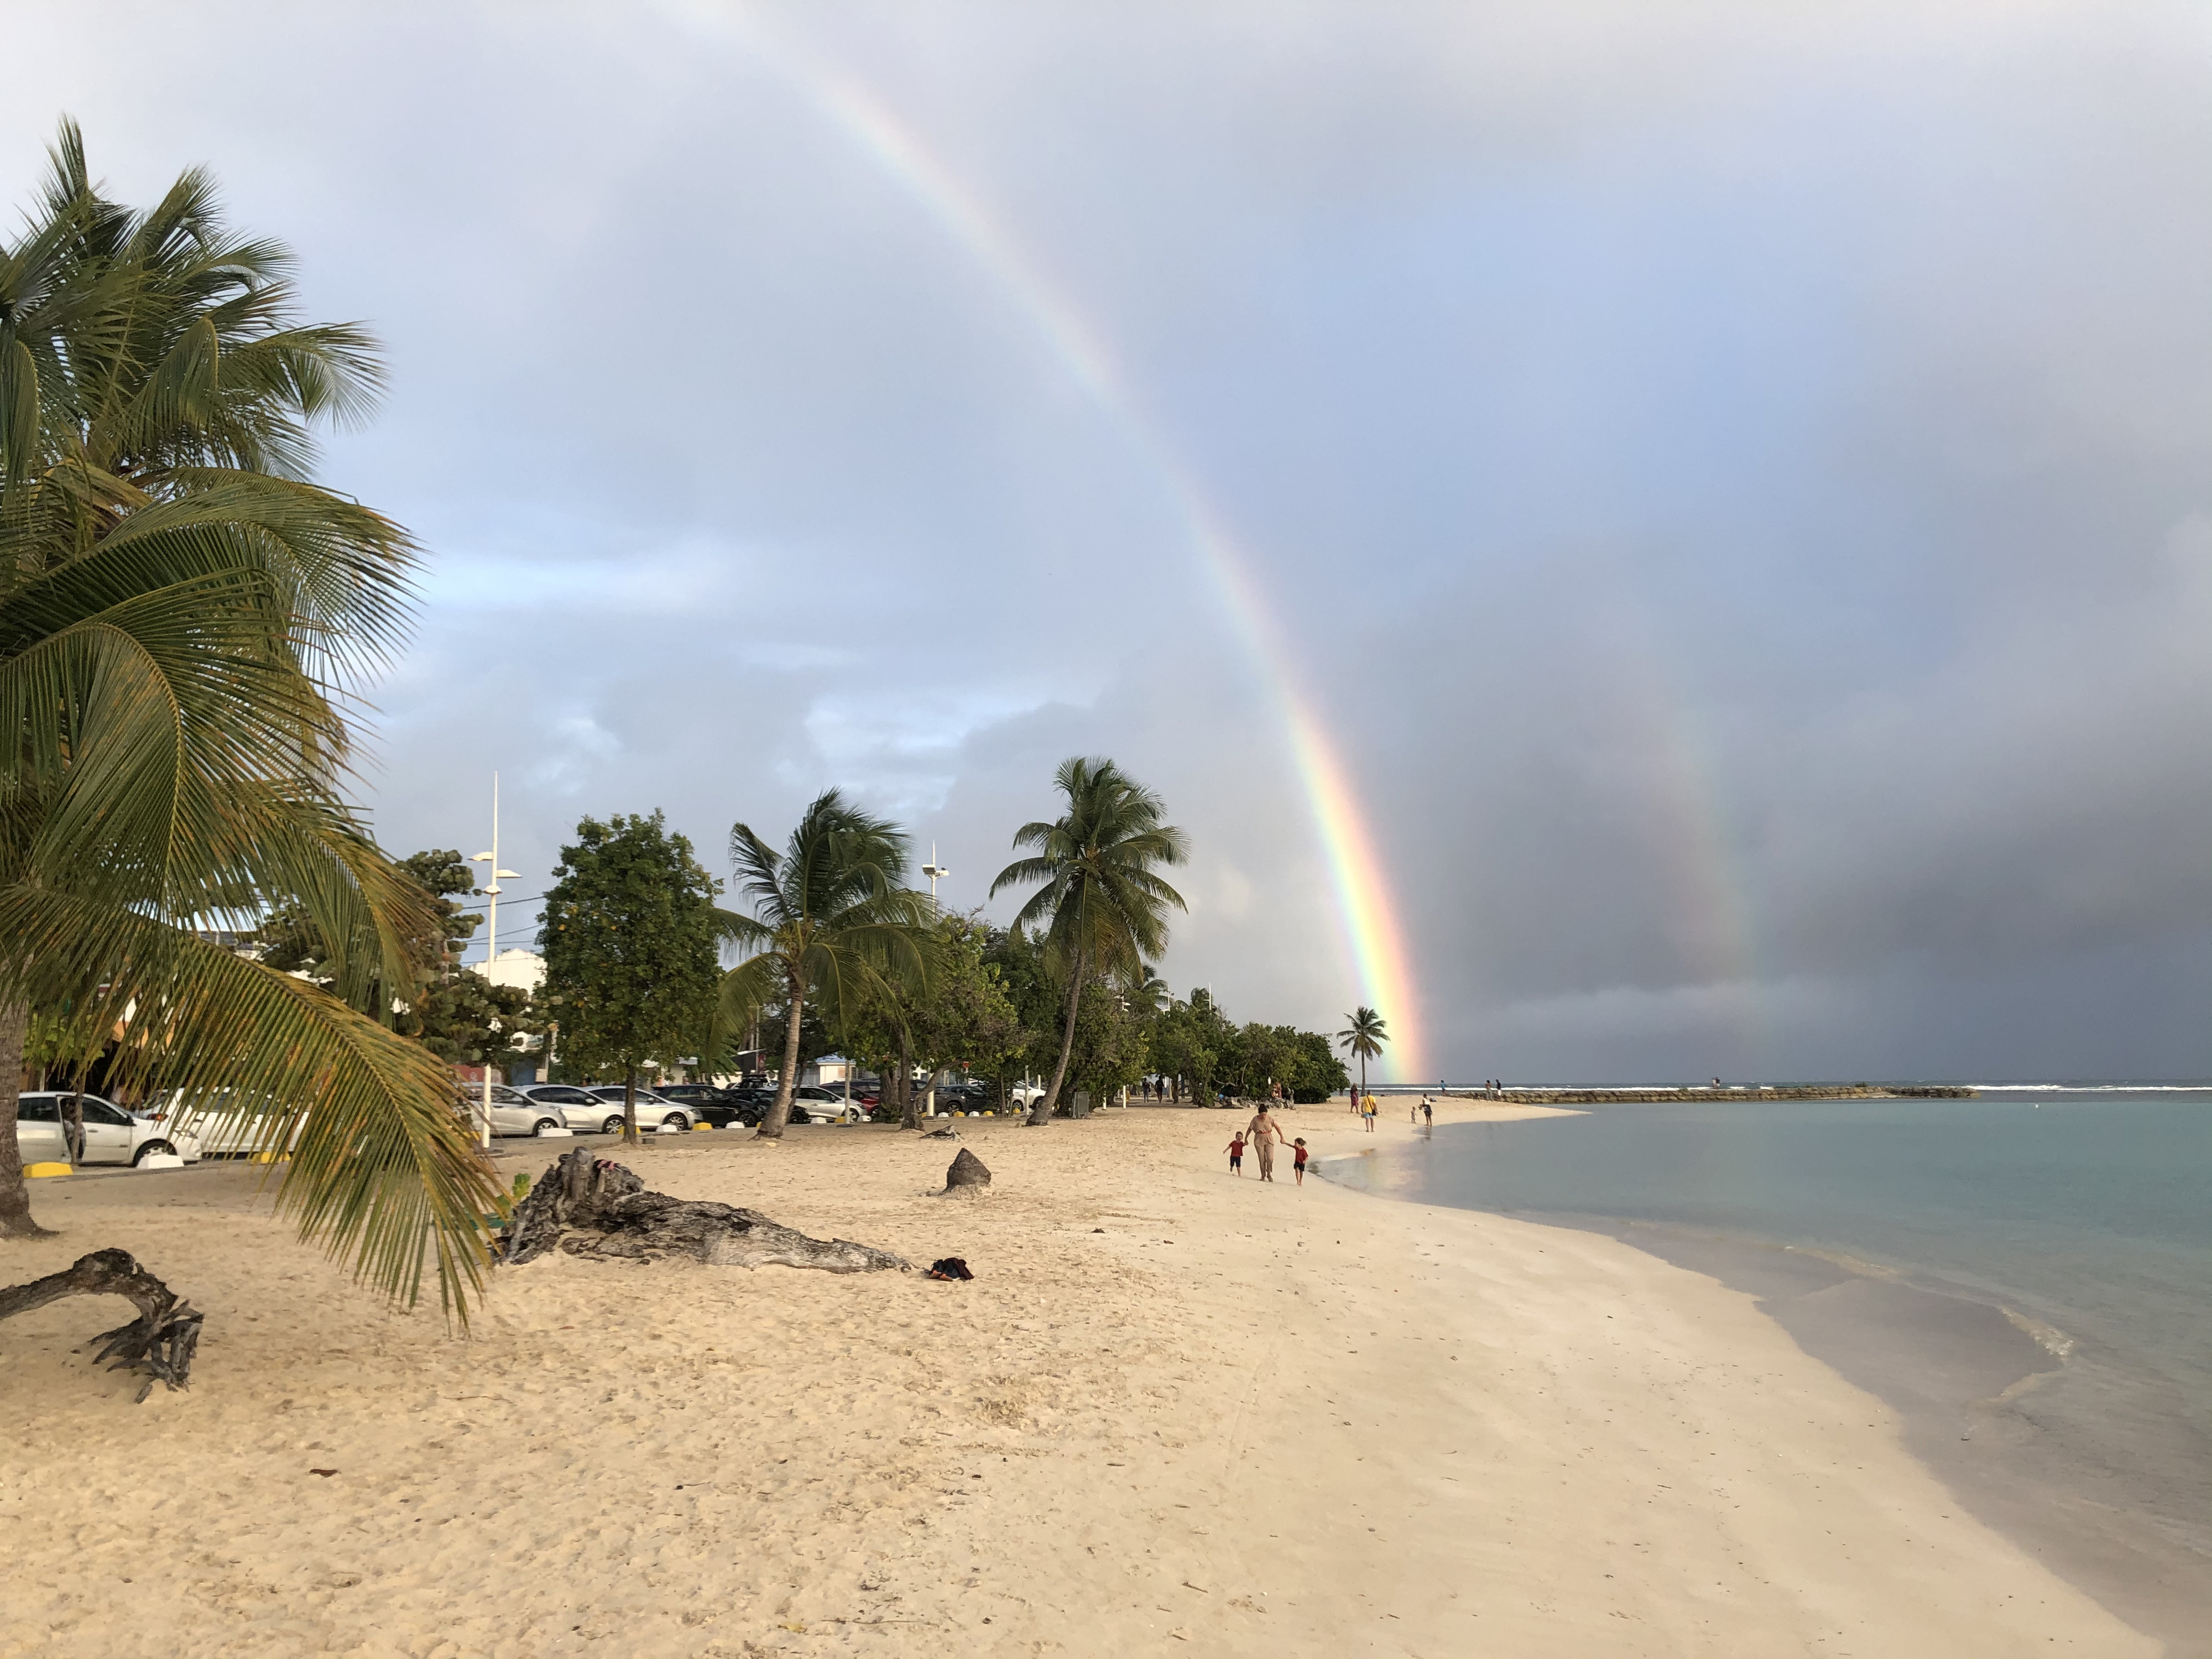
[(1298, 1160), (1236, 1153)]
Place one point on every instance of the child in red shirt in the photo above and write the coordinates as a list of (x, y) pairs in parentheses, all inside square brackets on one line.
[(1236, 1153), (1298, 1160)]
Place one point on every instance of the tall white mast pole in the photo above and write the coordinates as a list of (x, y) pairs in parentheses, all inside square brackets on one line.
[(491, 948), (490, 891)]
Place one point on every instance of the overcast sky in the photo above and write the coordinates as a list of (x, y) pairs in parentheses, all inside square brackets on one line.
[(1734, 482)]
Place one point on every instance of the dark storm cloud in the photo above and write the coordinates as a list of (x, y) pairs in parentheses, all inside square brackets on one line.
[(1737, 480)]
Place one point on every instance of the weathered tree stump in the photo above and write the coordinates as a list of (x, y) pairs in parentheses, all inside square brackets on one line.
[(590, 1208), (967, 1174), (160, 1342)]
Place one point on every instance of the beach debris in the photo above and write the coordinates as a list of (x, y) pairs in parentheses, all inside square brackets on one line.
[(158, 1344), (950, 1266), (942, 1135), (966, 1173), (595, 1208)]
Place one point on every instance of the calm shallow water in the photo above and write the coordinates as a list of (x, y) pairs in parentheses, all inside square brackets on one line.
[(2087, 1212)]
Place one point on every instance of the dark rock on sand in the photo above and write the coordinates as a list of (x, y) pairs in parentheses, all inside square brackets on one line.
[(967, 1173)]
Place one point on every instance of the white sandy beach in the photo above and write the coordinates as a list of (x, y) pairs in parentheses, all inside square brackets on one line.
[(1175, 1413)]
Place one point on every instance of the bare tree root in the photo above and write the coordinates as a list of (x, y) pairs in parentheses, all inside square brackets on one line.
[(590, 1208), (160, 1343)]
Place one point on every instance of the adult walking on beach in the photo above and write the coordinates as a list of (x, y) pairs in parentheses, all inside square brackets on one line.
[(1263, 1132)]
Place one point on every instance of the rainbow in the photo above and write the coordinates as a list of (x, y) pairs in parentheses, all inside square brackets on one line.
[(1373, 940)]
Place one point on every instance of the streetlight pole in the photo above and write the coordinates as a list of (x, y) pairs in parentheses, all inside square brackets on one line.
[(490, 891), (933, 870)]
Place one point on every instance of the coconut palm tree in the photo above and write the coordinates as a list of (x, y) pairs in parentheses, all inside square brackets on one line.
[(830, 921), (181, 615), (1101, 907), (1366, 1033)]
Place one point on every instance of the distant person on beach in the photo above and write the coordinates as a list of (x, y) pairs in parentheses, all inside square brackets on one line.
[(1236, 1153), (1298, 1160), (1265, 1133), (1428, 1115), (1370, 1114)]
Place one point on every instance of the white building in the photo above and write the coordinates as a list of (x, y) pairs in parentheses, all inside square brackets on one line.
[(523, 970)]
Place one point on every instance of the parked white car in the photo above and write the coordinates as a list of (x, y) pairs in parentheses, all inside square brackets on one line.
[(513, 1112), (652, 1110), (812, 1104), (226, 1126), (589, 1112), (111, 1135)]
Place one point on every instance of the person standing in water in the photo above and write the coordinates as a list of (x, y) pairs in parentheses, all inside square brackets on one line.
[(1263, 1132)]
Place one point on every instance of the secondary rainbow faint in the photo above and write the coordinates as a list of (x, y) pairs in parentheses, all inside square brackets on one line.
[(1373, 939)]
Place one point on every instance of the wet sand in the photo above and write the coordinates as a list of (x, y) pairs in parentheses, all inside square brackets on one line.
[(1972, 1390), (1175, 1413)]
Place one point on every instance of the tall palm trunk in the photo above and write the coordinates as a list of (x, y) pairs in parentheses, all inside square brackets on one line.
[(1042, 1111), (15, 1195), (908, 1117), (778, 1113), (73, 1120)]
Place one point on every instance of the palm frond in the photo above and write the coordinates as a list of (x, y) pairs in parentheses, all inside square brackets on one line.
[(384, 1171)]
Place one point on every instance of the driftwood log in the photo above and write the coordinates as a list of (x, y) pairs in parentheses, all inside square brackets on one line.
[(966, 1173), (158, 1344), (591, 1207)]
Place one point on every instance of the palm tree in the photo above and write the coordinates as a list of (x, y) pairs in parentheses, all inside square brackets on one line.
[(1100, 908), (1364, 1035), (830, 921), (181, 613)]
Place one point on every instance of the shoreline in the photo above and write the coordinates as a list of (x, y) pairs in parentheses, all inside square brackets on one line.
[(1989, 1396), (1958, 1372), (1175, 1413)]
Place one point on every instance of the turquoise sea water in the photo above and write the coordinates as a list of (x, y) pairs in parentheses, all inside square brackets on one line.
[(2084, 1212)]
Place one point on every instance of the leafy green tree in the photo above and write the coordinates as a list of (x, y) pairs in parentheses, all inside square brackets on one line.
[(630, 933), (1100, 903), (183, 615), (1187, 1042), (1018, 968), (455, 1012), (1366, 1032), (831, 921), (968, 1021), (1111, 1046), (1315, 1071), (960, 1019), (1263, 1058)]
